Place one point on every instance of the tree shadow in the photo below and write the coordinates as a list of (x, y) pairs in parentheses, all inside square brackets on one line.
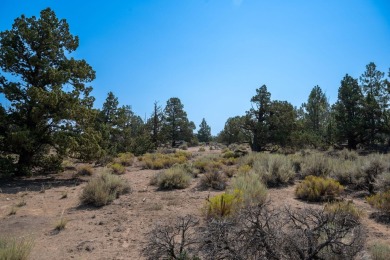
[(37, 184)]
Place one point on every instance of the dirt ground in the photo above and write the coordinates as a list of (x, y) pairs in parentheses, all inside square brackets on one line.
[(116, 231)]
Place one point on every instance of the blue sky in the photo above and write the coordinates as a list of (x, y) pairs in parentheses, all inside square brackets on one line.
[(213, 54)]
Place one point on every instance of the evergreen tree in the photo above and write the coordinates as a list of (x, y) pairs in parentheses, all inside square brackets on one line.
[(176, 124), (204, 132), (47, 92), (375, 103), (316, 115), (282, 122), (257, 118), (348, 112), (155, 124), (233, 131)]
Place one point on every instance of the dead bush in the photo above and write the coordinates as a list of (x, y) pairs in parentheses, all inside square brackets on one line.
[(177, 240)]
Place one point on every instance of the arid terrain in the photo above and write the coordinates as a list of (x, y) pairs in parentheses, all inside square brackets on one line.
[(117, 231)]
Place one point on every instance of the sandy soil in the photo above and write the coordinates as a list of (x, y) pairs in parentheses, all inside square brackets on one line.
[(117, 231)]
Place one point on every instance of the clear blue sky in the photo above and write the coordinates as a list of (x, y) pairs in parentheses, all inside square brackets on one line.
[(213, 54)]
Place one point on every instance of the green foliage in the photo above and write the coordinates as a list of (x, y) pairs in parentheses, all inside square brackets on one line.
[(103, 189), (314, 188), (257, 118), (316, 115), (15, 249), (223, 205), (176, 177), (379, 251), (44, 117), (204, 132), (176, 124), (233, 131), (348, 112), (380, 201), (215, 180), (253, 191)]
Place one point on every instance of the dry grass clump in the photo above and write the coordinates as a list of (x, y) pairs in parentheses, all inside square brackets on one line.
[(68, 165), (15, 249), (118, 169), (379, 251), (125, 159), (176, 177), (61, 224), (253, 191), (85, 170), (103, 189), (314, 188), (157, 161), (380, 201), (273, 169), (214, 180)]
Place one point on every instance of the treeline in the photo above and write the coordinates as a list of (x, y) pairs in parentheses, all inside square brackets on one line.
[(51, 116), (359, 118)]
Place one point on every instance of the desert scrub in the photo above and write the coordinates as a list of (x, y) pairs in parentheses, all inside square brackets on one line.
[(176, 177), (214, 180), (222, 205), (85, 170), (118, 168), (103, 189), (374, 165), (380, 201), (201, 149), (314, 188), (379, 251), (208, 164), (125, 159), (158, 161), (344, 207), (274, 170), (228, 154), (15, 249), (253, 191), (317, 165), (347, 172)]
